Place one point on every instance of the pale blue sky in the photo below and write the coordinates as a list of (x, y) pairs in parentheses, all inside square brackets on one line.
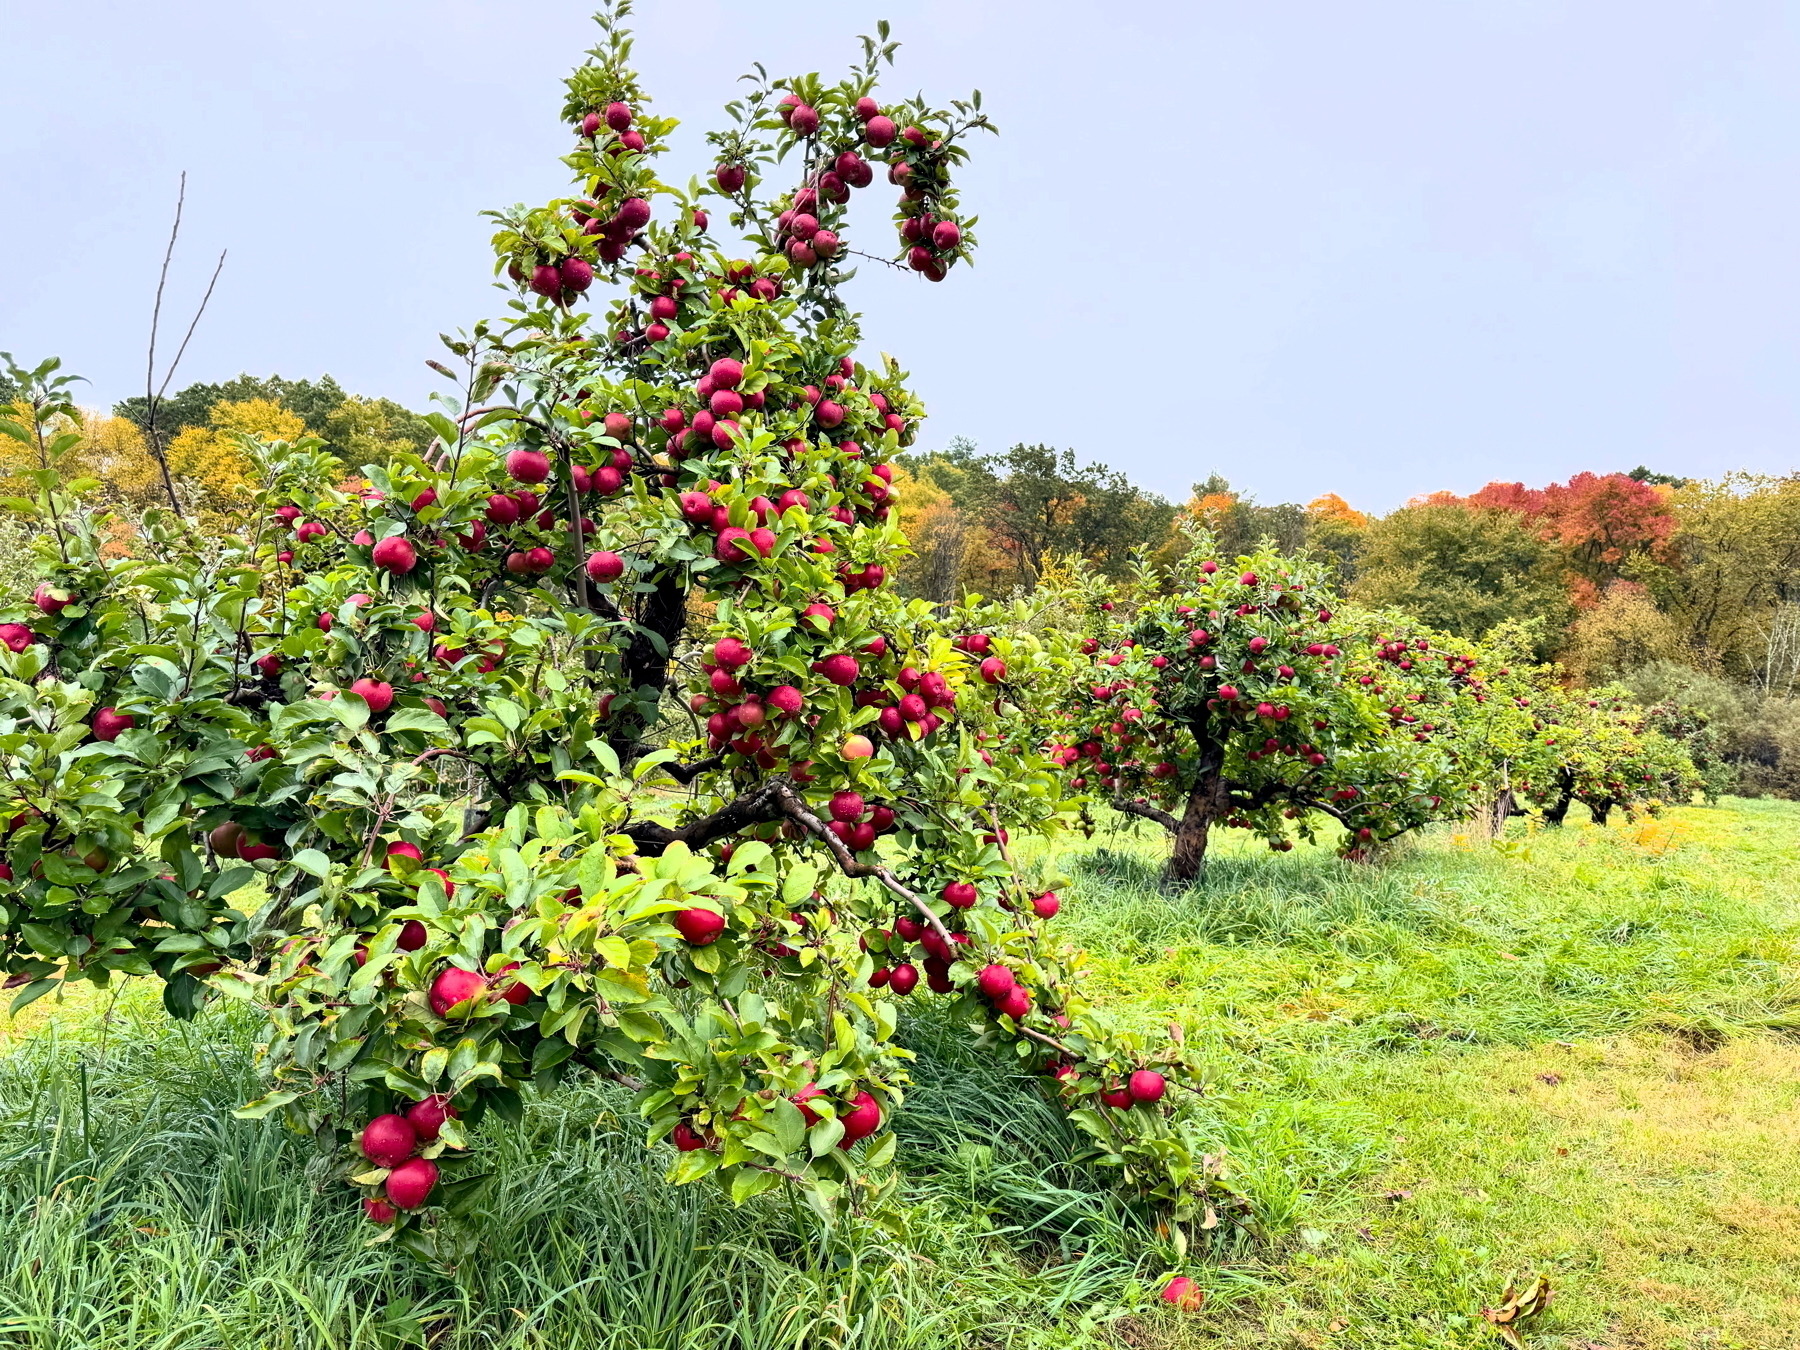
[(1375, 248)]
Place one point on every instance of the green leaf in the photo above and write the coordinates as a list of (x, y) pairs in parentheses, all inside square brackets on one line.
[(825, 1136), (883, 1152), (787, 1124), (262, 1106), (749, 1183), (231, 879), (417, 719), (433, 1063), (31, 993), (312, 862), (799, 884)]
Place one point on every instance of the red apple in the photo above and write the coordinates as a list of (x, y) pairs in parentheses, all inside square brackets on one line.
[(996, 981), (1183, 1293), (428, 1116), (1146, 1085), (52, 599), (454, 985), (840, 668), (526, 466), (861, 1120), (410, 1184), (394, 555), (699, 927), (605, 566), (110, 722), (731, 653), (378, 695), (388, 1141)]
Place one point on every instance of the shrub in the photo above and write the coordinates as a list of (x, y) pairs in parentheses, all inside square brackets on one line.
[(1753, 736)]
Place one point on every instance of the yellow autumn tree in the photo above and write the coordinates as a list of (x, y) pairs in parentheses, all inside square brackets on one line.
[(952, 553), (366, 430), (106, 443), (1333, 507), (210, 462)]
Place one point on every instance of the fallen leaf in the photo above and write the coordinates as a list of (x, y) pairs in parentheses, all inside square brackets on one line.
[(1508, 956), (1517, 1306), (1396, 1196), (1562, 1152), (1552, 1079), (1338, 1324)]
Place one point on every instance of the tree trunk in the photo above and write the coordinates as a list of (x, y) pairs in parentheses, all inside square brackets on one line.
[(1553, 815), (1205, 804), (1493, 817), (1600, 810), (645, 662)]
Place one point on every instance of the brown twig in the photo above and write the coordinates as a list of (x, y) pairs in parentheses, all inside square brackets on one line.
[(1050, 1041), (796, 809)]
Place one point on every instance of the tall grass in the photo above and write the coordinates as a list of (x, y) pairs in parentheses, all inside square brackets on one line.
[(135, 1211)]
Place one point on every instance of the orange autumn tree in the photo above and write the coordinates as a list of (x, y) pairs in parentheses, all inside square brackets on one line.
[(1600, 522)]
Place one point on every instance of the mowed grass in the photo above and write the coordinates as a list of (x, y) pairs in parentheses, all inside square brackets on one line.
[(1573, 1053)]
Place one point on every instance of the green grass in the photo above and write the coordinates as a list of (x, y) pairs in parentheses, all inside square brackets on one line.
[(1572, 1054)]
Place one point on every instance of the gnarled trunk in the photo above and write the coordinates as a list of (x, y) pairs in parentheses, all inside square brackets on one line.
[(1205, 803)]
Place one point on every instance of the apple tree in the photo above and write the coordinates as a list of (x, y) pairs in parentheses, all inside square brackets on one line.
[(593, 738), (1598, 747), (1235, 693)]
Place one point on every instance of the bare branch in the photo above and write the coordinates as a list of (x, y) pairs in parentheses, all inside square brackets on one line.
[(759, 806), (153, 392), (181, 351), (687, 773)]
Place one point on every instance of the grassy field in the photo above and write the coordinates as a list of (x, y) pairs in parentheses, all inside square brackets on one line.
[(1572, 1053)]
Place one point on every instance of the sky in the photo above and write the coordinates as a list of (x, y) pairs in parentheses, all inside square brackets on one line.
[(1376, 249)]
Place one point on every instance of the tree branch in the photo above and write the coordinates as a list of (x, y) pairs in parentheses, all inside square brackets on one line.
[(1147, 811), (796, 809), (759, 806), (687, 773)]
